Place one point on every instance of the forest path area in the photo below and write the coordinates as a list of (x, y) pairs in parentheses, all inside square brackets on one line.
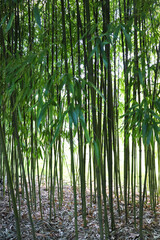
[(61, 225)]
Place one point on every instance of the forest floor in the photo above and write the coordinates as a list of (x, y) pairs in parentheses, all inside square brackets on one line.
[(61, 225)]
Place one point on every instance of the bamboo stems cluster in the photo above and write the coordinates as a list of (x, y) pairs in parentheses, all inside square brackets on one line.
[(77, 71)]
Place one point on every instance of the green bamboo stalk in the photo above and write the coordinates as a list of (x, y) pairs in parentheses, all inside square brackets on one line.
[(16, 137), (70, 127), (10, 184)]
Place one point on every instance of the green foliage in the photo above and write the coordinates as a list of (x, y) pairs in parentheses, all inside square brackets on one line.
[(84, 126), (9, 25), (97, 152), (42, 109), (37, 15), (128, 37), (96, 89), (143, 114), (58, 125), (74, 114), (3, 21), (99, 51)]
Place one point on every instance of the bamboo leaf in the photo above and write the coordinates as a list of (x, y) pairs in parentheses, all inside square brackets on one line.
[(149, 135), (156, 131), (58, 126), (141, 78), (95, 50), (144, 130), (128, 38), (97, 90), (74, 114), (57, 132), (41, 115), (116, 32), (97, 152), (3, 20), (19, 114), (157, 104), (155, 115), (37, 16), (9, 25), (105, 59), (84, 126)]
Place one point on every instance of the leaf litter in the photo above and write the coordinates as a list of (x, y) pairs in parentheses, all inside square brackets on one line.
[(61, 225)]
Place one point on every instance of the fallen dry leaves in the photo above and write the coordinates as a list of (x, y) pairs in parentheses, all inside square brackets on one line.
[(61, 225)]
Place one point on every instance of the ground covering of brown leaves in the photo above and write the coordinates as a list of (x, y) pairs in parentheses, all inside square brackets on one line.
[(61, 225)]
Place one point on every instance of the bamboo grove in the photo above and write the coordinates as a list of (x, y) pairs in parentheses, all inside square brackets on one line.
[(86, 73)]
